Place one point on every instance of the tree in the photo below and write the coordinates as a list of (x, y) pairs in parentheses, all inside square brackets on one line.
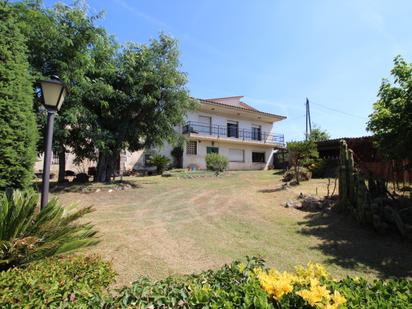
[(317, 134), (302, 153), (391, 119), (59, 41), (18, 133), (138, 104)]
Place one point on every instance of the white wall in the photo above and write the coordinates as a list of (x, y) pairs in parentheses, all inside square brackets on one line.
[(199, 159)]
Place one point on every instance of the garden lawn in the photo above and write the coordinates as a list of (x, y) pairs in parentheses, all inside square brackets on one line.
[(178, 225)]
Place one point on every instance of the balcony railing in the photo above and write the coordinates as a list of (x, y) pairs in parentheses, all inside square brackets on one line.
[(232, 131)]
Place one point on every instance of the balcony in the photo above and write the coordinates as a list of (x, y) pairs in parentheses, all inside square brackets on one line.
[(254, 135)]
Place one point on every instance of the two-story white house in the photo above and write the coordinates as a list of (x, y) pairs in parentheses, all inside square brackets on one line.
[(234, 129), (227, 126)]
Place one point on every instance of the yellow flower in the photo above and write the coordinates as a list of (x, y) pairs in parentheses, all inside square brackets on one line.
[(276, 284), (356, 280), (318, 295), (311, 298), (241, 267), (338, 299)]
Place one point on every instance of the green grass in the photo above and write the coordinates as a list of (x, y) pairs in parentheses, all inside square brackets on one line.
[(176, 225)]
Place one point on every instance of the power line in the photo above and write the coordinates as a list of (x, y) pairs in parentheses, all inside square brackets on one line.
[(301, 116), (339, 111)]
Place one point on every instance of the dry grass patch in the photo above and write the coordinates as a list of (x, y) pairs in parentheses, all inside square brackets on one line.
[(175, 225)]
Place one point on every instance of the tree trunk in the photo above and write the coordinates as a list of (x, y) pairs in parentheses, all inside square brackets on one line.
[(106, 165), (62, 165), (297, 172)]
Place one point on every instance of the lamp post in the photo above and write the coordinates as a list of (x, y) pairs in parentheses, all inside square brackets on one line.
[(53, 92)]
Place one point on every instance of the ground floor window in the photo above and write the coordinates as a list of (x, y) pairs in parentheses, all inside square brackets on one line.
[(191, 148), (258, 157), (212, 150), (236, 155), (55, 159)]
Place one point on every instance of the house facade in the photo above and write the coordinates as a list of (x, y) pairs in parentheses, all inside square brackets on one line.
[(234, 129), (228, 126)]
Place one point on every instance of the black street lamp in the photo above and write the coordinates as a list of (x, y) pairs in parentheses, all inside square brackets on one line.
[(52, 93)]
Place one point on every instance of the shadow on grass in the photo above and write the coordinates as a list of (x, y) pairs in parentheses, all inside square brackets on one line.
[(88, 187), (279, 172), (351, 246), (272, 190)]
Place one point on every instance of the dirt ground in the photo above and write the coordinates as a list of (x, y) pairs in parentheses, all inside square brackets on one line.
[(176, 225)]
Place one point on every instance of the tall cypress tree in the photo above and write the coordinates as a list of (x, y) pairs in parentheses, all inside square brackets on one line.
[(18, 132)]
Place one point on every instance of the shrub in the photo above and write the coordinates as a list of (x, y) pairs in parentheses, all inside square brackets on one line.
[(302, 153), (252, 285), (161, 162), (56, 283), (304, 175), (27, 235), (216, 162), (232, 286)]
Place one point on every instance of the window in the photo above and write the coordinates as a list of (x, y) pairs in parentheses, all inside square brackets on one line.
[(212, 150), (256, 133), (258, 157), (147, 158), (205, 124), (55, 160), (191, 148), (236, 155), (232, 129)]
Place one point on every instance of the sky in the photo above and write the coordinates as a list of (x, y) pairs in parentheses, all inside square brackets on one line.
[(277, 53)]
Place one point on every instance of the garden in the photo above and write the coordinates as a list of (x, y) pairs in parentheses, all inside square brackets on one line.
[(181, 239)]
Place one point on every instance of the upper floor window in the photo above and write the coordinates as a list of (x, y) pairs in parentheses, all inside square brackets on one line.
[(232, 129), (256, 132), (191, 148)]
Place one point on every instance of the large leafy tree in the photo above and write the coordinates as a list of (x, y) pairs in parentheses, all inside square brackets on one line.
[(138, 103), (18, 133), (59, 40), (391, 120)]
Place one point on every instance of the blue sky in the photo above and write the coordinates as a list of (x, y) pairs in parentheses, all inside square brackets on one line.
[(277, 53)]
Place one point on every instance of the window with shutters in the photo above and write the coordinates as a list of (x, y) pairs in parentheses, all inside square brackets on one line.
[(191, 148), (236, 155)]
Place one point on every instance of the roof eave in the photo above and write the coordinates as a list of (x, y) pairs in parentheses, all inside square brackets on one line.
[(273, 117)]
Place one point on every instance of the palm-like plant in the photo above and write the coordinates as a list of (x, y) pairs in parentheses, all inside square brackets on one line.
[(27, 234), (161, 162)]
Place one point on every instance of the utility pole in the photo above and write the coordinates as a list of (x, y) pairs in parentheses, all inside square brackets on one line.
[(308, 121)]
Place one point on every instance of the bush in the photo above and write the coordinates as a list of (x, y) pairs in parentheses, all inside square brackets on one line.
[(252, 285), (27, 235), (56, 283), (304, 175), (161, 162), (232, 286), (216, 162)]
